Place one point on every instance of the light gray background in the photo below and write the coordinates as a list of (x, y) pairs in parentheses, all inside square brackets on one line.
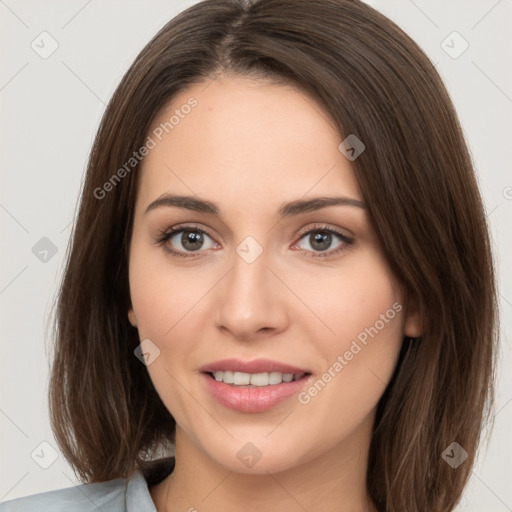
[(50, 110)]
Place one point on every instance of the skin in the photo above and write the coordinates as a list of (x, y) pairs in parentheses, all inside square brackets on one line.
[(249, 146)]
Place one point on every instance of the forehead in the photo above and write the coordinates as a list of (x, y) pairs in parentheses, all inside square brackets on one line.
[(242, 139)]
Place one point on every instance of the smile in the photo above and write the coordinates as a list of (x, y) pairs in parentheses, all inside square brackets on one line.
[(255, 379)]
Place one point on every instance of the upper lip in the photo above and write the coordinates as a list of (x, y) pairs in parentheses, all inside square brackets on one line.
[(254, 366)]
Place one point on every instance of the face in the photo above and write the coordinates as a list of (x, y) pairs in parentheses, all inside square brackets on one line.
[(252, 270)]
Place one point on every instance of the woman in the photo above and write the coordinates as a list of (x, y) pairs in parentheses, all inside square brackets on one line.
[(281, 267)]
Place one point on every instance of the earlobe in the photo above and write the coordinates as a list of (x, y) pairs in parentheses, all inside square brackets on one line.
[(413, 327), (132, 318)]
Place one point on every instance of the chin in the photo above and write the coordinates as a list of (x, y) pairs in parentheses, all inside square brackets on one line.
[(255, 457)]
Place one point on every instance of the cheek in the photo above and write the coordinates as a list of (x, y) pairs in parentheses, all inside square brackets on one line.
[(355, 301), (166, 306), (363, 309), (162, 296)]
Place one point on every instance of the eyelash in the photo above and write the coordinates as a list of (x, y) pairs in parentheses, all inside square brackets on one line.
[(166, 234)]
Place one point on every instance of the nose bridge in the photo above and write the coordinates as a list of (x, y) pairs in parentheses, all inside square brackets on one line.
[(248, 300)]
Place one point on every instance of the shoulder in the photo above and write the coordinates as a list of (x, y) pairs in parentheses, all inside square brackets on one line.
[(119, 495), (109, 496)]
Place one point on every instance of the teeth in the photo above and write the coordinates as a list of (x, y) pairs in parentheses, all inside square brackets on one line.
[(255, 379), (228, 377), (275, 378), (241, 379)]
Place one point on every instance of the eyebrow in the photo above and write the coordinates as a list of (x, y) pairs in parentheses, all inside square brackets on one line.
[(289, 209)]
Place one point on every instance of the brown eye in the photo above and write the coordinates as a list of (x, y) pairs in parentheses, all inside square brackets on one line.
[(184, 241), (322, 242), (191, 240)]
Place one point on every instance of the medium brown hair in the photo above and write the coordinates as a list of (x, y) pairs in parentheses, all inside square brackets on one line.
[(418, 182)]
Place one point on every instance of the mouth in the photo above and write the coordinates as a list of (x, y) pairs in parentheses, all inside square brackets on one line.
[(255, 380), (253, 386), (256, 366)]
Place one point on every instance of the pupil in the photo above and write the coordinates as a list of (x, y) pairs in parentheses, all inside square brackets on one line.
[(192, 240), (321, 241)]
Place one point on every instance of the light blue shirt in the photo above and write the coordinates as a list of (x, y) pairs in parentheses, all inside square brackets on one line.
[(119, 495)]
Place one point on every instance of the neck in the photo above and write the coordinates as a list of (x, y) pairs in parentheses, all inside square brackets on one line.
[(331, 482)]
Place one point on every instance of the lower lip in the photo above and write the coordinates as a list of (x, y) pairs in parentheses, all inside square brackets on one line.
[(252, 399)]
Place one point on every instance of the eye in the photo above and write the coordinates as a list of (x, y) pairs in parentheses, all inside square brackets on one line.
[(324, 241), (183, 241), (317, 242)]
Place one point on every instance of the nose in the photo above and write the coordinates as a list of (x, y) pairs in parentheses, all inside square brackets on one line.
[(251, 300)]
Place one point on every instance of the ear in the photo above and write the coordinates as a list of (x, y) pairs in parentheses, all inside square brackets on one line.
[(413, 326), (132, 318)]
